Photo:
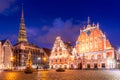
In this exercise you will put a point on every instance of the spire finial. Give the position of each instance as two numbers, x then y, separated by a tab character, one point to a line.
22	11
88	20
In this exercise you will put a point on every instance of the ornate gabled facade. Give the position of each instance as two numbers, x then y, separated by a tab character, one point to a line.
6	53
60	54
93	49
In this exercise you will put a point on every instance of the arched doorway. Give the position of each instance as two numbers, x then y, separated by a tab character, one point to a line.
95	66
79	65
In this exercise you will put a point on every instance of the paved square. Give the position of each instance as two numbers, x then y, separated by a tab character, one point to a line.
68	75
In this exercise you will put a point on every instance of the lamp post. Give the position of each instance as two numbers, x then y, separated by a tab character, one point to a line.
38	59
44	61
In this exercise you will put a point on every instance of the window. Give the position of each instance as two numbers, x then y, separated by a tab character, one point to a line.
60	60
60	50
56	54
65	60
103	65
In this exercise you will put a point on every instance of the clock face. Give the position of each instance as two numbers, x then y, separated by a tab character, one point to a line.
88	32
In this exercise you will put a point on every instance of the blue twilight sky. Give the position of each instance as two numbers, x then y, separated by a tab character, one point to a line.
45	19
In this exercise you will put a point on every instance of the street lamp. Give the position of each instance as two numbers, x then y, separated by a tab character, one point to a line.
38	59
44	61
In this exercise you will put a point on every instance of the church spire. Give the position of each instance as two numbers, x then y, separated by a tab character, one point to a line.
22	31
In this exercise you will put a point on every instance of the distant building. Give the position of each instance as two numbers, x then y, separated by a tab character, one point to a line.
60	54
6	53
93	49
21	49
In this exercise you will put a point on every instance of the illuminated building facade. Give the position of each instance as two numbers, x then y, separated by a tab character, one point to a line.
93	49
21	51
23	47
60	54
6	52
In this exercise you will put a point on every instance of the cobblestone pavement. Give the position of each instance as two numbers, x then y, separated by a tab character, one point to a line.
67	75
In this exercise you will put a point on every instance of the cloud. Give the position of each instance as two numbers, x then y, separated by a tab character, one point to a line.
44	36
66	29
32	31
45	28
6	6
